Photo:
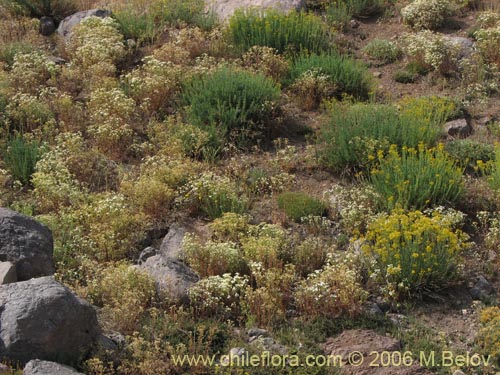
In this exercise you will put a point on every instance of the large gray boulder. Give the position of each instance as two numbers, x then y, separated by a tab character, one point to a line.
171	246
7	273
27	244
37	367
66	26
172	277
42	319
224	9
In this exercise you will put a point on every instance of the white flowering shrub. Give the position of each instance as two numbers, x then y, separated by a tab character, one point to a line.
213	258
355	206
488	19
213	195
266	60
488	43
96	41
27	113
111	113
268	245
333	291
186	45
219	296
311	88
269	301
31	71
153	85
426	14
431	50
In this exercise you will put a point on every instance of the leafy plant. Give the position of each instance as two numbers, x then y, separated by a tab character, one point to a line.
344	74
412	252
293	32
340	12
39	8
470	155
355	134
21	157
417	178
230	105
383	51
298	205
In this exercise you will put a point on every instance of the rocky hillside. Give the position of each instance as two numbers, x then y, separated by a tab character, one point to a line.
257	186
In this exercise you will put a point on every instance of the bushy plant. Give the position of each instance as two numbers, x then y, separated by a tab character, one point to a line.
488	18
39	8
382	50
214	195
213	258
417	178
8	51
96	42
124	305
27	113
21	157
268	245
426	14
333	291
344	74
494	170
32	71
310	255
488	338
298	205
153	85
284	32
311	88
219	296
431	51
269	301
231	105
340	12
355	134
470	155
487	43
230	226
412	252
267	61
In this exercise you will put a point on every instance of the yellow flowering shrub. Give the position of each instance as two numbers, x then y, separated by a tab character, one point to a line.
416	178
413	252
488	338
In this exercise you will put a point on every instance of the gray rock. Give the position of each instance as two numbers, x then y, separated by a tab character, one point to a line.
111	341
377	74
26	243
224	9
148	252
42	319
171	246
482	289
66	26
7	273
37	367
47	26
172	277
373	309
268	344
256	332
458	372
458	128
465	45
354	24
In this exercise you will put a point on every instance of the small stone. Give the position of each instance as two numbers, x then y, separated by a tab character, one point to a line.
7	273
256	332
459	372
458	128
481	289
233	353
47	26
371	308
354	24
377	74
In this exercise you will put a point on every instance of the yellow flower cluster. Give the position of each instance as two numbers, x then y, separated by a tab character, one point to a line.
412	251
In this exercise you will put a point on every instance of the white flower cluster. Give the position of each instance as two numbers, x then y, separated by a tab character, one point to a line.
219	295
426	14
31	71
431	49
96	41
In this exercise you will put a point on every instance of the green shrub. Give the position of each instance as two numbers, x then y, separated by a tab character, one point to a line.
191	12
383	51
468	153
417	178
9	51
141	26
21	157
353	136
340	12
39	8
298	205
494	169
293	32
413	253
411	72
231	105
346	75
